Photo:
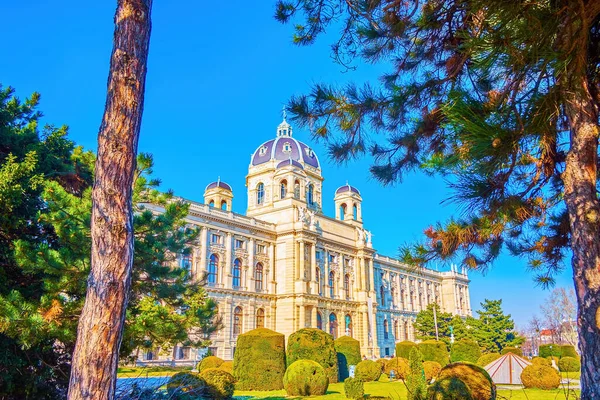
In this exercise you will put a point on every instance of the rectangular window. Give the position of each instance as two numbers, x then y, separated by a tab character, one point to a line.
331	258
239	244
261	248
387	351
215	239
185	261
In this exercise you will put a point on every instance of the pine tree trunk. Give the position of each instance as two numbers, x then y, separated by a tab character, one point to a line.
99	334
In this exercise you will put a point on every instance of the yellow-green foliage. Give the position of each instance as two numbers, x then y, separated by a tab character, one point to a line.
399	365
220	384
568	351
569	364
476	378
348	353
488	358
383	362
552	358
403	348
540	377
209	362
354	388
547	350
227	366
314	344
541	361
513	350
432	370
450	388
465	350
434	350
368	371
259	360
186	383
305	378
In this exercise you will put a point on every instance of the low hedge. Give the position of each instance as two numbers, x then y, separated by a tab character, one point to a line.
220	384
476	378
403	348
434	350
185	383
540	377
465	350
569	364
450	388
354	388
568	351
305	378
488	358
431	369
316	345
513	350
367	371
549	350
400	367
348	353
209	362
541	361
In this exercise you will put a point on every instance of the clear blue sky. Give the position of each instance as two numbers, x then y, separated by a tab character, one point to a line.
218	76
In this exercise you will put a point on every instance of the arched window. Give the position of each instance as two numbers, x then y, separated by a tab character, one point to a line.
283	189
258	277
333	325
260	193
318	279
212	203
260	318
396	336
213	269
385	329
347	286
382	295
310	194
319	321
332	284
348	321
355	212
297	189
342	211
237	273
237	320
224	205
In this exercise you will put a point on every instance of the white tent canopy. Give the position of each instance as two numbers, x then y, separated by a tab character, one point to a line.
507	369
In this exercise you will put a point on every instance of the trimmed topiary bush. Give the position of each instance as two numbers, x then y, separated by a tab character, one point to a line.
476	378
465	350
348	353
314	344
227	366
219	384
513	350
540	377
185	383
541	361
259	360
450	388
209	362
305	378
488	358
368	371
569	364
403	348
354	388
434	350
548	350
432	370
568	351
399	365
415	381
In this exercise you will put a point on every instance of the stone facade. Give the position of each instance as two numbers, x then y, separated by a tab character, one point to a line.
285	265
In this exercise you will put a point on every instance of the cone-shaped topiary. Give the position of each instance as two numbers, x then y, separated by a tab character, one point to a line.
185	383
368	371
476	378
403	348
354	388
540	377
317	345
434	350
513	350
259	360
348	353
305	378
465	350
568	351
209	362
450	388
488	358
569	364
431	369
541	361
220	384
399	365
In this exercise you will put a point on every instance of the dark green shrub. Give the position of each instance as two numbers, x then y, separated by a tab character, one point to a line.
227	366
314	344
368	371
403	348
354	388
541	361
569	364
415	381
549	350
220	384
259	360
450	388
513	350
209	362
186	384
434	350
305	378
465	350
348	353
399	365
568	351
540	377
432	370
488	358
476	378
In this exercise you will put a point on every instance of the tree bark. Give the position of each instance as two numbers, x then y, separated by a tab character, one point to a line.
99	334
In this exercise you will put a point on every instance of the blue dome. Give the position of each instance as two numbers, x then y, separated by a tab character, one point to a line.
347	188
289	162
220	184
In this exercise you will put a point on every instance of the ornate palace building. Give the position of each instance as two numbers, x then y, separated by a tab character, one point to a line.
285	265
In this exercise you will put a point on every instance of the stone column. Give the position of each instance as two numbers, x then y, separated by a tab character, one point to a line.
302	318
301	275
313	317
251	250
203	255
313	269
228	255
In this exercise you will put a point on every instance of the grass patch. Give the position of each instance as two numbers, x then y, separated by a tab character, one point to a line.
138	372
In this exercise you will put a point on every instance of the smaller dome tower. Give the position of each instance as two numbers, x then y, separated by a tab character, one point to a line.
218	194
348	205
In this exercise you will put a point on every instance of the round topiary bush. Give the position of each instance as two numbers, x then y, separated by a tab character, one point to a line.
549	350
450	388
541	361
403	348
185	383
476	378
305	378
220	384
348	353
513	350
383	362
259	360
354	388
209	362
227	366
400	367
569	364
314	344
367	371
434	350
465	350
488	358
540	377
432	370
568	351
